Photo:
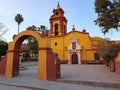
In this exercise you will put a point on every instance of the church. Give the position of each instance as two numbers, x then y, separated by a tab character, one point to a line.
74	47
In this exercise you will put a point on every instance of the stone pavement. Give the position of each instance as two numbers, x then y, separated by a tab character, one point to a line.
92	75
73	77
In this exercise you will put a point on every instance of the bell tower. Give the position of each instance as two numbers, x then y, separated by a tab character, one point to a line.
58	23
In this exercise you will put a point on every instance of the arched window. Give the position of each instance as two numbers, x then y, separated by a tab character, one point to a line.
56	29
96	56
73	45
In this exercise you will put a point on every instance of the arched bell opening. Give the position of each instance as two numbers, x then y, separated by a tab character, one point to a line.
56	29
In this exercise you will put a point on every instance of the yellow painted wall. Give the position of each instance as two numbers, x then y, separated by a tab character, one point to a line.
42	43
42	65
118	57
59	47
90	55
63	42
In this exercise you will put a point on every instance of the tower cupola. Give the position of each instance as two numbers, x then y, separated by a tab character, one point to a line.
58	23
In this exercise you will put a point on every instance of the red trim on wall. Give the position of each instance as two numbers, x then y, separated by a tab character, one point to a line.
51	70
44	48
83	61
13	51
64	61
3	65
53	67
117	63
0	67
90	49
15	71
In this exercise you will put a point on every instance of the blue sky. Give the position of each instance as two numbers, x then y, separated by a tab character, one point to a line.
79	13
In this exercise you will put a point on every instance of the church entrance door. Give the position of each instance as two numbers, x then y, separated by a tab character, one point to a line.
74	58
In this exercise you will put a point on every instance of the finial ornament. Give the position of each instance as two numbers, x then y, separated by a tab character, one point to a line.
73	26
58	4
73	29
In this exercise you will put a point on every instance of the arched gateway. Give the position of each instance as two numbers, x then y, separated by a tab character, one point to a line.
48	69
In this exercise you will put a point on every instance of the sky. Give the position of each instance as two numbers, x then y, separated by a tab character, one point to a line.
80	13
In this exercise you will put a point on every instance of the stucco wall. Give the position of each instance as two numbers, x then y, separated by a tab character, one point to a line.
87	53
117	63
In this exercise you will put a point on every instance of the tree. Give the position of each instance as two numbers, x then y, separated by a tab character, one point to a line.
34	28
3	30
19	19
108	51
32	42
3	47
32	45
113	50
102	49
42	29
108	14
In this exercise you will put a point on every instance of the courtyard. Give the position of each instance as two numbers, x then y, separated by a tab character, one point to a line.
73	77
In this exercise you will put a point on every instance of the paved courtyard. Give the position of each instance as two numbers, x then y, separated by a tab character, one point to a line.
73	77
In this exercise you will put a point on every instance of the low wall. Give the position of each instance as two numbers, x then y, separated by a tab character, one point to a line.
53	66
117	63
86	62
0	67
3	65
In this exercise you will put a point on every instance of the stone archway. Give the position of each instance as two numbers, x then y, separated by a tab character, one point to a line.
47	69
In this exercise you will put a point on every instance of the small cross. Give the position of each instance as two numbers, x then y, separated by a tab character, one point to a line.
73	26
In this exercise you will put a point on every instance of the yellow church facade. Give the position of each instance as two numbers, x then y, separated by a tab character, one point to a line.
74	47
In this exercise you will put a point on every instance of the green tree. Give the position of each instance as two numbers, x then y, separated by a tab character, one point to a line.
108	51
19	19
3	47
42	29
108	14
32	42
102	49
32	45
34	28
113	50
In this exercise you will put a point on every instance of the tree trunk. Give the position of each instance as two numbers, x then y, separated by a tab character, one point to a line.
18	28
107	63
113	69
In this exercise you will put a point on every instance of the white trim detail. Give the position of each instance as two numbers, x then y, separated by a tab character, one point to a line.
76	50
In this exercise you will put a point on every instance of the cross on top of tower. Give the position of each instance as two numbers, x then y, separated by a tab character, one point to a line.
58	6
